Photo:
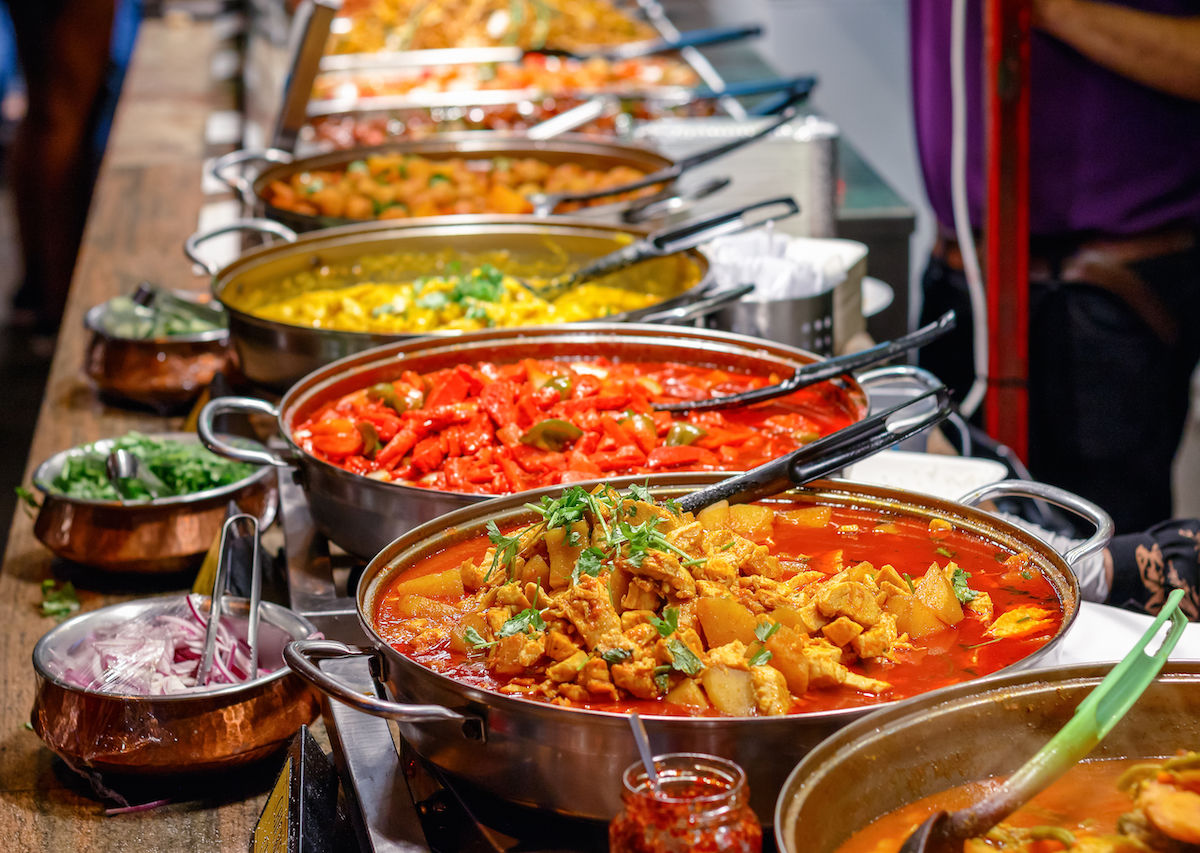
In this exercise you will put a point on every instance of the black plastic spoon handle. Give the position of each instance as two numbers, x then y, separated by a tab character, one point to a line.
820	371
825	455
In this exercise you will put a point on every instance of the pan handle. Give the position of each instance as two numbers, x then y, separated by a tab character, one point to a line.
303	657
263	226
239	183
1060	498
245	405
699	308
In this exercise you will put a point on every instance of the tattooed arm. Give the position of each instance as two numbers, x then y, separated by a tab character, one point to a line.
1145	567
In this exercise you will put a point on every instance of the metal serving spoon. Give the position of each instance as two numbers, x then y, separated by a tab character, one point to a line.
121	465
819	371
945	832
544	204
668	242
828	454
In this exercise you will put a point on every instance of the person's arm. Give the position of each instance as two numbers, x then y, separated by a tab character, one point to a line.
1159	51
1143	568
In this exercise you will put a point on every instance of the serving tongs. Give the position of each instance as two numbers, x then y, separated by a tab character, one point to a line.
828	454
544	204
668	242
1103	708
820	371
788	91
220	581
390	60
121	466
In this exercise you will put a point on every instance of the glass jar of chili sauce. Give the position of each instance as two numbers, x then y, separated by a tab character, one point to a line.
701	804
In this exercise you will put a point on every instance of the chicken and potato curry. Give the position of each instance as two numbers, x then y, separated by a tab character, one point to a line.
618	602
1116	806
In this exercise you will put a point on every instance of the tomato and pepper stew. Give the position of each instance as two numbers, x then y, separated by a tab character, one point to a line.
618	602
503	428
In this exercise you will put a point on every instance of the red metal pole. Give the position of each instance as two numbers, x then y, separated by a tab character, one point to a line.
1006	265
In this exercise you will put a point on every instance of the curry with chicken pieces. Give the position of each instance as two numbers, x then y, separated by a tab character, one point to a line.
618	602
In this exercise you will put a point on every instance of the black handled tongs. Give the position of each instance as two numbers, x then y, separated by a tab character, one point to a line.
819	371
828	454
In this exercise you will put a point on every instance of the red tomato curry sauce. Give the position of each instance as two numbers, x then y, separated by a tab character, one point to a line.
503	428
848	536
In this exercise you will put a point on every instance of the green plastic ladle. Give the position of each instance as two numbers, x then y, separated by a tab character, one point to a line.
945	832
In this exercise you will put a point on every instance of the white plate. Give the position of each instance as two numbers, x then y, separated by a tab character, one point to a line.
948	477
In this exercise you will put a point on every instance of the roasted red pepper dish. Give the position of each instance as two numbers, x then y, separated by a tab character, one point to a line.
616	603
503	428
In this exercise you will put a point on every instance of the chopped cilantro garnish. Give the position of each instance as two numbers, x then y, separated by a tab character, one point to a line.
961	591
1026	574
765	630
434	301
908	580
945	552
667	625
683	658
476	639
563	511
28	501
58	601
662	677
505	551
641	493
618	655
761	657
589	563
525	622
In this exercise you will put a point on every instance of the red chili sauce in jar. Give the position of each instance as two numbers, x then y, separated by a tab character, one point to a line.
502	428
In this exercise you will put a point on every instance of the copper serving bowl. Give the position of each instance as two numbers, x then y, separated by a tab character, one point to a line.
162	373
962	734
162	535
187	732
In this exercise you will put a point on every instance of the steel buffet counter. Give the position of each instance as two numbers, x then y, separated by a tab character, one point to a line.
146	202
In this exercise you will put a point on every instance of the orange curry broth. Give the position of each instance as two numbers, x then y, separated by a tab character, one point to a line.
1059	805
468	433
947	657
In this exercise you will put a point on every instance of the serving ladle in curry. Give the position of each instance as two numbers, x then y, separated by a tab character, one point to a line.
668	242
945	832
819	371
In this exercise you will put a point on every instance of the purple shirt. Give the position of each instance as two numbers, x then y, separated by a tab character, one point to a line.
1107	155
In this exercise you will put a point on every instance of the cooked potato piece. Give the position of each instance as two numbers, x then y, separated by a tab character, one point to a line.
842	630
688	693
424	606
715	517
447	584
791	617
536	570
752	521
731	691
810	516
458	640
787	655
563	555
938	593
724	620
913	616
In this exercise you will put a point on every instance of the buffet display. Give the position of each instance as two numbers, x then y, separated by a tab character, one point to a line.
563	507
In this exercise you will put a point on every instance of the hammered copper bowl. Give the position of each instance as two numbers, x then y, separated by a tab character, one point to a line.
966	733
163	535
179	733
163	374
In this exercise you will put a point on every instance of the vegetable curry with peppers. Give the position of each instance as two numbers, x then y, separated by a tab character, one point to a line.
500	428
618	602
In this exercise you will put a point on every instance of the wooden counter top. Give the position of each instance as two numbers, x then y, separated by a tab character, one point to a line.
146	202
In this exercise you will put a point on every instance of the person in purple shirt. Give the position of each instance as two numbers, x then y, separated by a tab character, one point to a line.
1115	217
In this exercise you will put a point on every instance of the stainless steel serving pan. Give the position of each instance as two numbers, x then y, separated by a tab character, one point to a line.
570	760
966	733
362	515
587	151
275	354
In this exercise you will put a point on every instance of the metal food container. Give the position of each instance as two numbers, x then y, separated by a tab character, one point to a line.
212	729
961	734
161	535
275	355
362	514
569	760
160	373
585	151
